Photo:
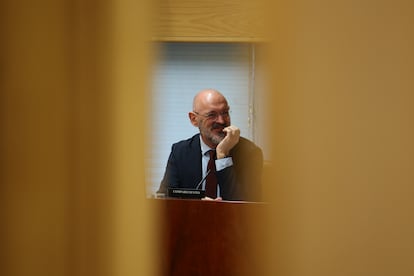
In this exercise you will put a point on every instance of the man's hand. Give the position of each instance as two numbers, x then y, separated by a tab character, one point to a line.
209	198
231	139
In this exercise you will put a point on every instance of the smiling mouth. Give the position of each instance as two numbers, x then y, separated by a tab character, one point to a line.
218	129
219	132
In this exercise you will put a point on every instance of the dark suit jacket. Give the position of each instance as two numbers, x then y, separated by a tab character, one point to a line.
242	181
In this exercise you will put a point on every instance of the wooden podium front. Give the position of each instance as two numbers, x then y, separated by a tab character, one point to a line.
211	237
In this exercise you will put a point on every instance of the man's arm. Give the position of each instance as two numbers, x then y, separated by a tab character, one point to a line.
242	180
171	174
230	140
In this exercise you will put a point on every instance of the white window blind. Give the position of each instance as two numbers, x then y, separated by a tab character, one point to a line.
181	71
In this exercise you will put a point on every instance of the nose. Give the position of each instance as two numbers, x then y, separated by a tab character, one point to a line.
221	118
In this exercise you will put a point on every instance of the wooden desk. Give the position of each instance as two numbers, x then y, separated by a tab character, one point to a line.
211	238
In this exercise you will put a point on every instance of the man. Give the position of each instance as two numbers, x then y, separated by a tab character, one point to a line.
238	161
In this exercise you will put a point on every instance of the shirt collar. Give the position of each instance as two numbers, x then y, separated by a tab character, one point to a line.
204	147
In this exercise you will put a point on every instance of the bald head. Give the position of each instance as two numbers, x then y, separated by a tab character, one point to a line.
207	98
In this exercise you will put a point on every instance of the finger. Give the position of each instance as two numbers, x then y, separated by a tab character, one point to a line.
207	198
228	129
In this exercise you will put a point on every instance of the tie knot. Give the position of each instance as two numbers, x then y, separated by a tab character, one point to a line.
212	154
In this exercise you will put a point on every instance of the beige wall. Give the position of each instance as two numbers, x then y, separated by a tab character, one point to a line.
341	117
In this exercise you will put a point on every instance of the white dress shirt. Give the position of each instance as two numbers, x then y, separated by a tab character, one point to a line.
220	163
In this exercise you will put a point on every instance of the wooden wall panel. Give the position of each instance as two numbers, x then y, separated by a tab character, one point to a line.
212	20
72	114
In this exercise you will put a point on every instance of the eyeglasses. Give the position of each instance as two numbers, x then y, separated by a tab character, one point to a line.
214	115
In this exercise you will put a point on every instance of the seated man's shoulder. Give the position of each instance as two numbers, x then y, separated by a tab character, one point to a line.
247	148
190	142
247	144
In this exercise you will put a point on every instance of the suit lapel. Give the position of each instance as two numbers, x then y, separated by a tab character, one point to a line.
193	161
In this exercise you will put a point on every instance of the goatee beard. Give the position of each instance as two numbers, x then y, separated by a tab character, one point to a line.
216	139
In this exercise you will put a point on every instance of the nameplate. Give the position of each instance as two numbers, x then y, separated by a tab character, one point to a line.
186	193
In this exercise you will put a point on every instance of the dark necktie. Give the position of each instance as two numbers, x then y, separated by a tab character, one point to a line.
211	180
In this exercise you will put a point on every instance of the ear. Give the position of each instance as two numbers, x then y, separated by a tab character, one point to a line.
193	119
